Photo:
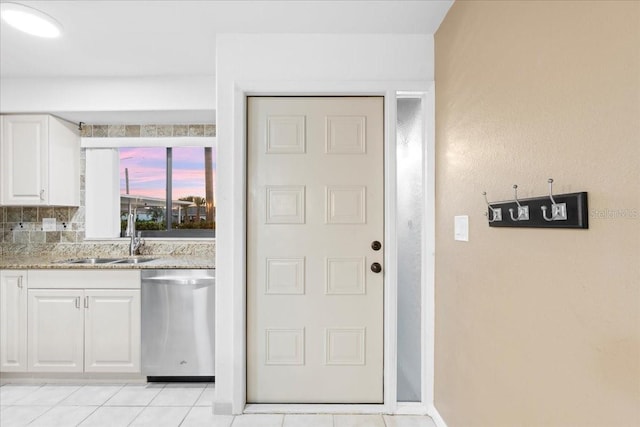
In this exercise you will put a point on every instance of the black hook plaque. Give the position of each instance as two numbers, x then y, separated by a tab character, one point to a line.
576	211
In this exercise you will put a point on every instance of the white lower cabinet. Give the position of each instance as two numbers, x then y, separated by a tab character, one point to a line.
64	323
111	330
96	330
55	331
13	320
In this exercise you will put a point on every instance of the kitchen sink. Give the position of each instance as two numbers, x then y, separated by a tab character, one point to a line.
108	261
133	260
91	261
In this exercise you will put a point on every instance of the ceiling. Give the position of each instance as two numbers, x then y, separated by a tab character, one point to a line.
163	38
170	38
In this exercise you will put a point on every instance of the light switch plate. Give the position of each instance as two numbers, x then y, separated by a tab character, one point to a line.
48	224
461	228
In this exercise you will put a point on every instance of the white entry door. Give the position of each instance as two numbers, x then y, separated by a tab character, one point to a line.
315	228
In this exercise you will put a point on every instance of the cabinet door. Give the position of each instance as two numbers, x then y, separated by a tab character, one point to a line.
112	330
13	321
55	330
25	156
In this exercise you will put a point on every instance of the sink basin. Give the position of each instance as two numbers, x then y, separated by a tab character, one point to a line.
92	261
108	261
133	260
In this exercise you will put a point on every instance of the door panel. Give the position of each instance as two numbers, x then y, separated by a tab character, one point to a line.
13	321
315	204
24	159
112	330
55	330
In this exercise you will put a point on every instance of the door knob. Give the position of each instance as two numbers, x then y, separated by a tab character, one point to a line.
375	245
376	267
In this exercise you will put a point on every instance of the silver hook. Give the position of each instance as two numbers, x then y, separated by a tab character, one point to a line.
496	213
558	210
550	181
484	193
515	194
523	211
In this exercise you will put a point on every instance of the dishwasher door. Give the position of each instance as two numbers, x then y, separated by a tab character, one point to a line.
178	323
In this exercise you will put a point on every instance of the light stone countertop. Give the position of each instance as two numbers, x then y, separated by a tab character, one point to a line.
159	262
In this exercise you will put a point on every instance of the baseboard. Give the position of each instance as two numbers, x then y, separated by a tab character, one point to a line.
312	408
70	377
437	418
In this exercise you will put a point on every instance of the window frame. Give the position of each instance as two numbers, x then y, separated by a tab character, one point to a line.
97	209
170	232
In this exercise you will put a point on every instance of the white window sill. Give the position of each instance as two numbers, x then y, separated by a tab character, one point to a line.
155	239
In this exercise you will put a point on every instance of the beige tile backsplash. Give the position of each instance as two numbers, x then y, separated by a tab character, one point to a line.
147	130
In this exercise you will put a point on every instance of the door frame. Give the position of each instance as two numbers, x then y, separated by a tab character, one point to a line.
235	259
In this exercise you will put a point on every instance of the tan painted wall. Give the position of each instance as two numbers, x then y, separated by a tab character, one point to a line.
538	327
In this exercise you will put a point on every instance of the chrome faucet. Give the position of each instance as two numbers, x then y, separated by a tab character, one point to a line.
136	240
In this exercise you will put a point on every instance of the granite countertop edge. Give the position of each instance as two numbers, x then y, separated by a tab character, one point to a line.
158	262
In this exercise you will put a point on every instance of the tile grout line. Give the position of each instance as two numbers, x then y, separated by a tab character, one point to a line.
103	404
111	397
186	416
45	412
50	407
95	407
200	395
148	404
193	405
156	396
137	415
88	415
164	386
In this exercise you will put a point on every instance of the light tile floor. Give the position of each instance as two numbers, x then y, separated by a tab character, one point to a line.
157	405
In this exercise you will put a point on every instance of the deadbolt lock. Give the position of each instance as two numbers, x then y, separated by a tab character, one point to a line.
375	245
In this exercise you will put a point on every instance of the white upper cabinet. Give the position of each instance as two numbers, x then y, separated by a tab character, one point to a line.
40	159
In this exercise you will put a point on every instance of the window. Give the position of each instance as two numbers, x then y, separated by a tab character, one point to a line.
410	137
169	191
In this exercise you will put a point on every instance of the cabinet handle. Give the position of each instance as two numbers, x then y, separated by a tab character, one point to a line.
20	282
77	302
86	302
41	194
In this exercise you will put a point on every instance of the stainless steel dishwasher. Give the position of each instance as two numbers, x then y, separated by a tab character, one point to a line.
178	324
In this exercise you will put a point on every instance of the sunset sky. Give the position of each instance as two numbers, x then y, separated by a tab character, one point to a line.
147	171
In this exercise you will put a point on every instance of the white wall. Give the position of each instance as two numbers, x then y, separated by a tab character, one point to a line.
102	193
77	94
284	64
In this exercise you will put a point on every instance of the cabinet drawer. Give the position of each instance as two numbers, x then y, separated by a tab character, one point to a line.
84	279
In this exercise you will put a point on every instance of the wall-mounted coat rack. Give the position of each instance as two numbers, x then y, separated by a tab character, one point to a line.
552	211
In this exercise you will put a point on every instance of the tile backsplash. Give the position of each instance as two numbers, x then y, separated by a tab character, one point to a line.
147	131
22	230
22	224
